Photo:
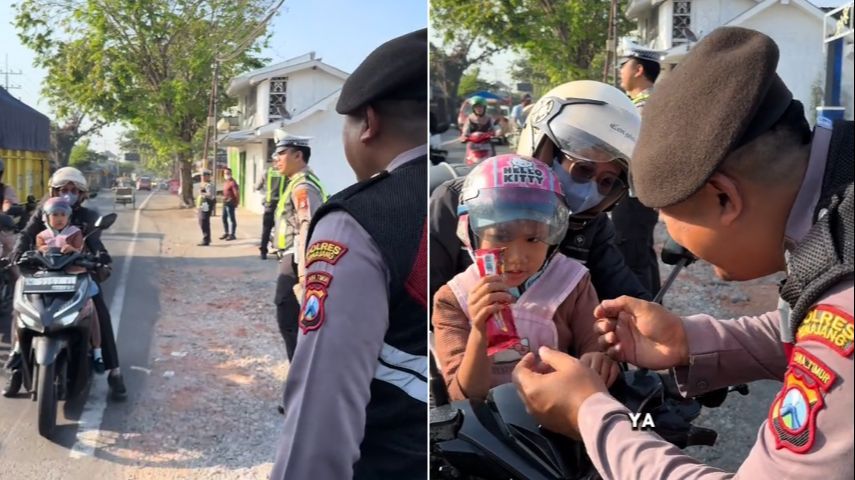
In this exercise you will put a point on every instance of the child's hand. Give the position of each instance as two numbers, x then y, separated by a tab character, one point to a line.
603	365
67	249
489	296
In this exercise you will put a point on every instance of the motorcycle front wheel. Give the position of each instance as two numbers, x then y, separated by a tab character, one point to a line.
46	398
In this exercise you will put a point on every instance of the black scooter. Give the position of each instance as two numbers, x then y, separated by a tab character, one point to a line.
498	439
53	315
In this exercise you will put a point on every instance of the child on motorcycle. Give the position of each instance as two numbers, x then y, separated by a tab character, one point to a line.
69	239
513	206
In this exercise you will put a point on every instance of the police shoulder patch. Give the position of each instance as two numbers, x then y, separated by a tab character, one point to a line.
792	417
831	327
314	296
325	251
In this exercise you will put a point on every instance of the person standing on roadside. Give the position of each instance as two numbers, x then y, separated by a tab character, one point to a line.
205	207
634	223
272	183
301	198
231	200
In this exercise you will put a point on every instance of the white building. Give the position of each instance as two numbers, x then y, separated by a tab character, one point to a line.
298	96
796	26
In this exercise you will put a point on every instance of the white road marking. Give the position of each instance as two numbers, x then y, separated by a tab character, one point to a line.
93	412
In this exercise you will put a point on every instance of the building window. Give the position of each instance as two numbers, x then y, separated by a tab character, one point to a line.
278	94
681	22
249	101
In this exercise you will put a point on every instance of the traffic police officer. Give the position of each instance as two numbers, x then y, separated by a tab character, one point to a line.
634	223
742	182
358	377
272	183
298	203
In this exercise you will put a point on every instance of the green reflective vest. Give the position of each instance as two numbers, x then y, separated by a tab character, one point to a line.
273	174
283	211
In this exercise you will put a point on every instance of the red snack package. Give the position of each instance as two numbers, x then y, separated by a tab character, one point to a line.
501	331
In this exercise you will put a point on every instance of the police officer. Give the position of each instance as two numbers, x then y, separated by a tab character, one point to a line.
742	182
301	198
205	207
556	132
634	223
358	377
272	183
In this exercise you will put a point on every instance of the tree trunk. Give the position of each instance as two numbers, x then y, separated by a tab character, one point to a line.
185	194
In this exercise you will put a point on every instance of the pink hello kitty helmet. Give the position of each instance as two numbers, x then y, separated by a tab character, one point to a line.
509	188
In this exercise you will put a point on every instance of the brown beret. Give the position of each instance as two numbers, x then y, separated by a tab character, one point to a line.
724	94
396	70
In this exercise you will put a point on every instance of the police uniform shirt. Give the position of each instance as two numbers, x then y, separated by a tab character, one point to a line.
327	389
811	440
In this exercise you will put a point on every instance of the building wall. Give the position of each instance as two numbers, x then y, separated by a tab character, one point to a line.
307	87
802	62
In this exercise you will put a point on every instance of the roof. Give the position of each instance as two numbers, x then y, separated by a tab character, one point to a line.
296	64
21	126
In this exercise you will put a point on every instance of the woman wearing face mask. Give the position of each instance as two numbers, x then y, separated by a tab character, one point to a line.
70	184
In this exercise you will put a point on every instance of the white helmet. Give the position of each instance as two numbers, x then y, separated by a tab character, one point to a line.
602	117
66	175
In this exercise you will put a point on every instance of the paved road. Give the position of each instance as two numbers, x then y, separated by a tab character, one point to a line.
133	299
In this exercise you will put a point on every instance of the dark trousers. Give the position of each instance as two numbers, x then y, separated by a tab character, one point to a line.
267	223
205	225
108	340
634	225
287	305
229	223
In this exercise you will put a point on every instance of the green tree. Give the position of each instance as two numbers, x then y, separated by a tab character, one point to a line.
144	63
449	61
471	82
82	157
559	39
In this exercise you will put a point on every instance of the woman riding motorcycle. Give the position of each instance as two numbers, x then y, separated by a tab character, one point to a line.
478	120
69	183
585	131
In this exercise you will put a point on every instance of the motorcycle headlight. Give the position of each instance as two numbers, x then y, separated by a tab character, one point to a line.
67	320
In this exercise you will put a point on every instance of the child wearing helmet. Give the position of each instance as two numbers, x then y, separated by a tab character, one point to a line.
478	120
69	239
513	204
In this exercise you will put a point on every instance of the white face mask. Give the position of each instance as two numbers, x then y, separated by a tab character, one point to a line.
227	177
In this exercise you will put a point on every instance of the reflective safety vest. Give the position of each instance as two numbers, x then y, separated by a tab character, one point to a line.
286	212
279	186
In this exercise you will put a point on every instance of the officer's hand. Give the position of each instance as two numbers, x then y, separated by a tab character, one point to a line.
298	292
601	363
489	296
642	333
554	398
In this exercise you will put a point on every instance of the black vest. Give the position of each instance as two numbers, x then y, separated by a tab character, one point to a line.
825	257
392	208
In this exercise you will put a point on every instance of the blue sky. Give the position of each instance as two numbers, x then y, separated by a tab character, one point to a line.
341	32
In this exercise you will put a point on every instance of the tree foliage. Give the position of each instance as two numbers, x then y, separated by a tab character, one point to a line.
144	63
72	127
559	39
448	62
82	157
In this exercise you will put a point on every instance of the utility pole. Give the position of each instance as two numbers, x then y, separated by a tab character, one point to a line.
8	72
213	120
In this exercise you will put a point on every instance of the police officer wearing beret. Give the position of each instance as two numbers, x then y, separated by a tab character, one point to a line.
742	182
356	394
634	223
298	203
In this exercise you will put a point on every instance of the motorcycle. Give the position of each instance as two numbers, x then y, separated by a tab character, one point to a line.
479	147
498	439
53	314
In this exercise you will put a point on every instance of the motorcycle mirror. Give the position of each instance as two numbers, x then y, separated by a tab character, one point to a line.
92	194
106	221
673	252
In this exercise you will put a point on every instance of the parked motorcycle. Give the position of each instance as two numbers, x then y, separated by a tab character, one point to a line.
53	314
479	147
